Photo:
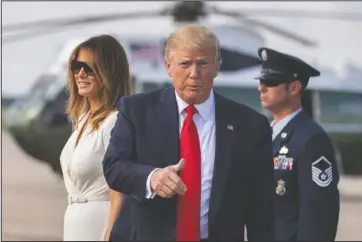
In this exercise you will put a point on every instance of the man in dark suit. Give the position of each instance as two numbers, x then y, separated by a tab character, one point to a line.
306	177
191	164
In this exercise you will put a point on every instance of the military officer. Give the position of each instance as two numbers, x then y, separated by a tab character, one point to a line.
305	170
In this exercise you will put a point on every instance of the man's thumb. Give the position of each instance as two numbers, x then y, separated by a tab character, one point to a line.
180	165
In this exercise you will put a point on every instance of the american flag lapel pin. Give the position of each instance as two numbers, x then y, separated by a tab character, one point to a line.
230	127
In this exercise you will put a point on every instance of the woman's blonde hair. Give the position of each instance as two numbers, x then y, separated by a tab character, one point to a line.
111	68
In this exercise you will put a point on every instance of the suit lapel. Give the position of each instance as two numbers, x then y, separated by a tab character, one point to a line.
166	120
224	131
286	133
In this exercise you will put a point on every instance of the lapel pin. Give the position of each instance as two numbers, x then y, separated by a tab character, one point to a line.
283	135
284	150
230	127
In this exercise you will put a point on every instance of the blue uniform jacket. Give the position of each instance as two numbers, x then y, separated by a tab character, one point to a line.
306	196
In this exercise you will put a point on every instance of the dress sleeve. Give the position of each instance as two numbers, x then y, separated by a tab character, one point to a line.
107	129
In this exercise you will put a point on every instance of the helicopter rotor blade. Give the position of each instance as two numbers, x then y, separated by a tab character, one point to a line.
288	34
292	13
40	28
64	22
269	27
25	35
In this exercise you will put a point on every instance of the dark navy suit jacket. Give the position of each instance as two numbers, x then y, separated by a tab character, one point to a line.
146	136
309	207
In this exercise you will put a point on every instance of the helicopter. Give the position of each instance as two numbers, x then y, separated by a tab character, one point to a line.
40	126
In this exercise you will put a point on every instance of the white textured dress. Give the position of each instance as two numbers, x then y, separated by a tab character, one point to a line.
87	214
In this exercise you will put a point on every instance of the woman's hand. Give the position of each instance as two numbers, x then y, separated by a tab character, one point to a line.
115	207
106	236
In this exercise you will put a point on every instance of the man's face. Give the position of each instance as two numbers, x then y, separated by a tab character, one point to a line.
192	72
274	97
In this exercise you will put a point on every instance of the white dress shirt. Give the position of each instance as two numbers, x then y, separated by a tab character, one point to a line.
205	123
278	127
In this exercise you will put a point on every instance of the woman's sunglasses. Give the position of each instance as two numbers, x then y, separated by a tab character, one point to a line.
78	65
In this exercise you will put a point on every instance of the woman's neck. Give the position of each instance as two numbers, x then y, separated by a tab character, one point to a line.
94	105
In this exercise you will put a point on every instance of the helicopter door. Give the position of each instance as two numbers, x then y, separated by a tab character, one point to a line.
307	103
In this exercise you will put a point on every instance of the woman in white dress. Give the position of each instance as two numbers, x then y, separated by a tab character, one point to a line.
98	77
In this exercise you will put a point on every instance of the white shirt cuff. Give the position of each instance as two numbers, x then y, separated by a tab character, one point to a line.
149	194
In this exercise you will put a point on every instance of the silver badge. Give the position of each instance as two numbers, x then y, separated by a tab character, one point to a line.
283	135
280	190
264	55
284	150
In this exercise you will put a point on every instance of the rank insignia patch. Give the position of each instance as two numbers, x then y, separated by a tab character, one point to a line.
322	172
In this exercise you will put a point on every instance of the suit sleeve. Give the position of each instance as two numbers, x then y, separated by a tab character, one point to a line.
120	167
260	224
318	192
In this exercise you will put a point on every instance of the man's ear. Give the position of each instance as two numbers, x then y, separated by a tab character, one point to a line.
296	87
167	64
218	65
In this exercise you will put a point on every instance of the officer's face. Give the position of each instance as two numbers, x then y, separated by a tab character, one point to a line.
274	97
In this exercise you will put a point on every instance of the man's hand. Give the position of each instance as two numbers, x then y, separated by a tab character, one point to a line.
166	183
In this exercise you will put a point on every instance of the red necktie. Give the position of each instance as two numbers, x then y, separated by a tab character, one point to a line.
188	213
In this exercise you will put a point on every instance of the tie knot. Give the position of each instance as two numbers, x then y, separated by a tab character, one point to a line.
191	110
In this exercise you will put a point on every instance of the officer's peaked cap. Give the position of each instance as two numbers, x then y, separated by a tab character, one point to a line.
277	65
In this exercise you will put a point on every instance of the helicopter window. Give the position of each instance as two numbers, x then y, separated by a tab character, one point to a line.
234	60
62	95
341	107
57	84
56	105
41	87
145	52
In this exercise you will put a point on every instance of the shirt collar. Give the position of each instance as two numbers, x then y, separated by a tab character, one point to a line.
286	119
204	109
278	127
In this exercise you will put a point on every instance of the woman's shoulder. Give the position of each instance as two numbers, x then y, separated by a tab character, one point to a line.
112	115
111	119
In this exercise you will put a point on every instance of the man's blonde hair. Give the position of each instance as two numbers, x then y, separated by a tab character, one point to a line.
194	37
